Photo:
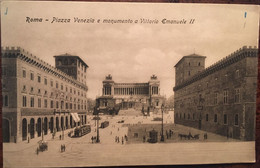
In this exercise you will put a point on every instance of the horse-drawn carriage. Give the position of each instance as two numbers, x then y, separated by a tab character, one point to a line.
189	136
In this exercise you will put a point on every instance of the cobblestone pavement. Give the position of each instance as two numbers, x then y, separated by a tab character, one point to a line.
82	152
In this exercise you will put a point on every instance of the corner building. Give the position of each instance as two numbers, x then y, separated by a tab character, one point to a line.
131	95
221	98
39	99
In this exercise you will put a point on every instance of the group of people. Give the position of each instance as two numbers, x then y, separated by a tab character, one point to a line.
123	139
169	133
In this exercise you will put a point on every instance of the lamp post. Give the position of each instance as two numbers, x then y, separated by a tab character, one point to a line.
97	118
162	136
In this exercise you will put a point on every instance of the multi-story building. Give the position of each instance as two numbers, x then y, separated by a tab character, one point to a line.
131	95
38	98
221	98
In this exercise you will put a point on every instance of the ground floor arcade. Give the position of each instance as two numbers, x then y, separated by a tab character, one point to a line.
30	127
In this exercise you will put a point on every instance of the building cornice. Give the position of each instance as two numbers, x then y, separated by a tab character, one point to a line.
20	53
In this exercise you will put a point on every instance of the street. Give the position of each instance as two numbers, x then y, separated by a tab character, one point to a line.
82	152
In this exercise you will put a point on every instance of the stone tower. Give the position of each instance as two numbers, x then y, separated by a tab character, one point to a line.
73	66
188	66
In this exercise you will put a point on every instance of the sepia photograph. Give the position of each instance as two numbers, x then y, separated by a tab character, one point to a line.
128	84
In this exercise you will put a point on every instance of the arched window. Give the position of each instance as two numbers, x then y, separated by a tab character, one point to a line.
6	101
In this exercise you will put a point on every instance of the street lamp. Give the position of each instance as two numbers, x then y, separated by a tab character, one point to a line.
162	136
97	118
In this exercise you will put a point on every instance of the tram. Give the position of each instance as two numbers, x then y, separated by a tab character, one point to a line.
81	131
104	124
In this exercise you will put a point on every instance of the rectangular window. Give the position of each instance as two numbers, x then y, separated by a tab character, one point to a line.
6	100
24	101
207	117
57	85
57	104
237	73
215	118
45	81
52	104
225	119
215	98
225	97
39	102
24	73
236	119
61	86
237	95
32	102
45	103
32	76
39	79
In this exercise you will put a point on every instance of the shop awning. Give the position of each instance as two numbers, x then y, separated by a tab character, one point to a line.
75	117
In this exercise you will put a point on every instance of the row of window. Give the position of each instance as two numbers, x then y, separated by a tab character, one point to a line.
39	79
189	90
215	119
58	104
200	100
32	91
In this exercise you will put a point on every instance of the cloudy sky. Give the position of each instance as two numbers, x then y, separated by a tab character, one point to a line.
130	52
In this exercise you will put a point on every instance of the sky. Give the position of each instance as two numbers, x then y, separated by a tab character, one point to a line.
130	52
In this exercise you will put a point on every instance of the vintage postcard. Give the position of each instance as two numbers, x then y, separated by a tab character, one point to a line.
116	84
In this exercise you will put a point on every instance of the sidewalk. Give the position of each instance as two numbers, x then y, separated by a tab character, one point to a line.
23	145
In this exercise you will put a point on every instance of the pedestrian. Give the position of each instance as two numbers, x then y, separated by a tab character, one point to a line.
144	139
37	151
122	140
115	138
205	136
92	139
60	137
28	140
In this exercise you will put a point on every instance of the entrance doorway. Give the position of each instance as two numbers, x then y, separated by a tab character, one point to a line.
39	127
32	128
45	126
51	125
24	129
6	130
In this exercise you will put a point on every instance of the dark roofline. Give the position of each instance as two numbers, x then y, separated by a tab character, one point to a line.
189	56
75	56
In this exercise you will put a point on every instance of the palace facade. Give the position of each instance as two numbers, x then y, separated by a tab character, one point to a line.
139	96
39	99
221	98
